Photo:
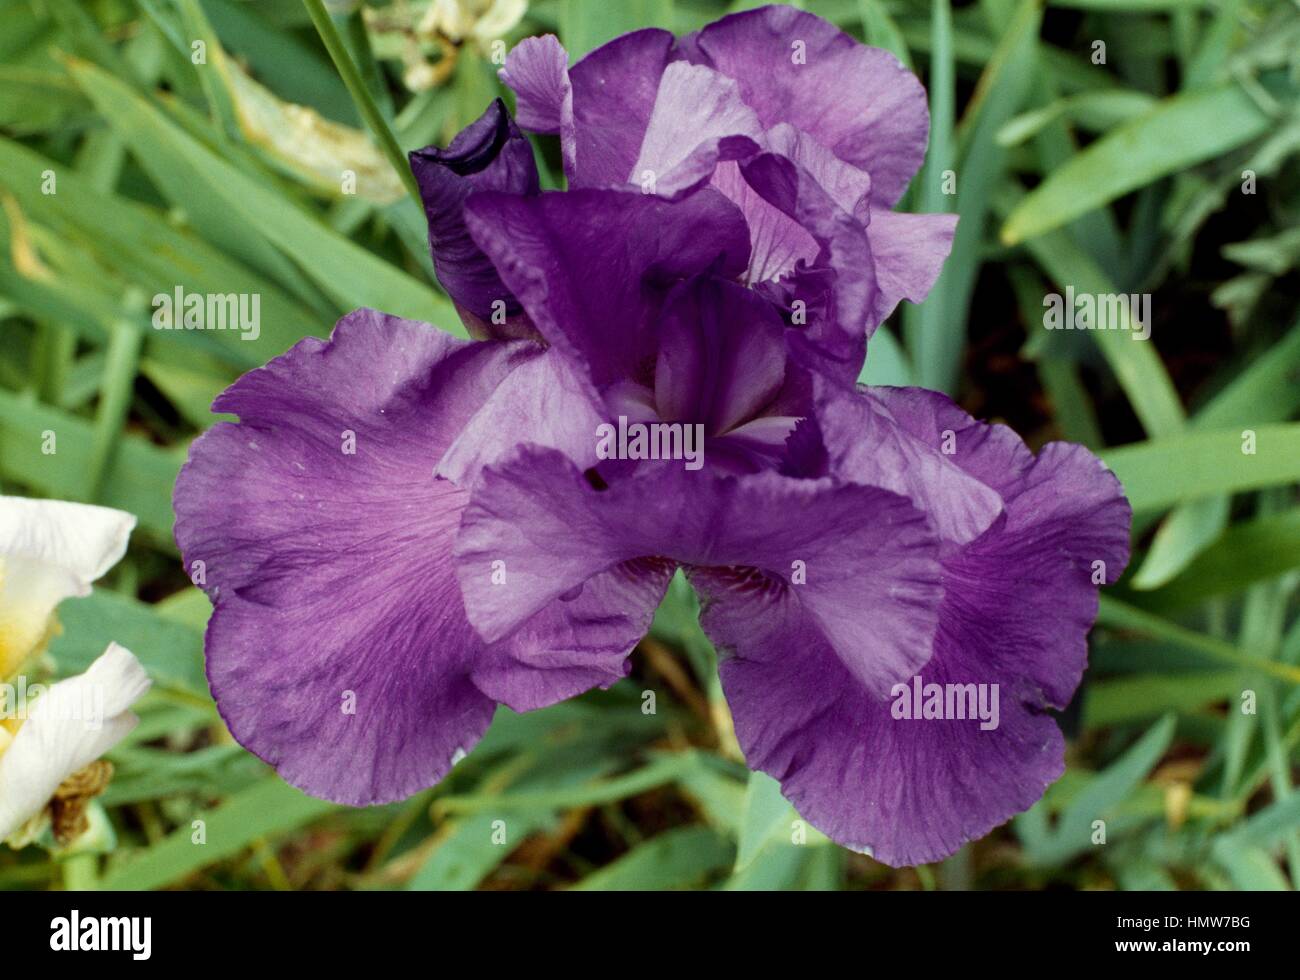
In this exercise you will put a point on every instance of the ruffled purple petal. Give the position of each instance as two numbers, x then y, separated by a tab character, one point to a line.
591	267
854	569
909	252
857	101
905	791
1064	531
1018	602
867	445
614	91
488	155
698	120
834	297
338	648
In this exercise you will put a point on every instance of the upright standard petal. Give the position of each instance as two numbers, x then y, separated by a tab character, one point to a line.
833	297
537	69
489	155
50	550
699	119
592	267
857	101
614	90
909	252
68	727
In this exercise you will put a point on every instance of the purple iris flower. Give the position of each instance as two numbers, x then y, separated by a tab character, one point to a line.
405	530
811	134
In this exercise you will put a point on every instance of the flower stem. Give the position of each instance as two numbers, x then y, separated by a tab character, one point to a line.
365	103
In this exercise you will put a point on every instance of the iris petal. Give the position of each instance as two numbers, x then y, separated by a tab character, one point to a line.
857	101
854	569
592	267
1018	601
489	155
338	648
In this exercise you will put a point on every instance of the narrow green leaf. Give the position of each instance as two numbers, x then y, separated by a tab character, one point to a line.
937	329
350	273
141	246
665	769
679	858
880	30
1111	612
133	478
1127	699
466	852
361	94
1182	132
1099	798
1163	472
768	816
172	654
1187	531
1095	111
270	807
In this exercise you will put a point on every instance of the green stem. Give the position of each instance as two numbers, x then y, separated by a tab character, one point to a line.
365	103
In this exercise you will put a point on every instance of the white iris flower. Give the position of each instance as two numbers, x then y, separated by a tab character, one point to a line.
51	550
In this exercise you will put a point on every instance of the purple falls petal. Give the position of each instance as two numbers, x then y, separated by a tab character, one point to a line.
865	444
326	567
1018	602
853	570
338	648
1065	530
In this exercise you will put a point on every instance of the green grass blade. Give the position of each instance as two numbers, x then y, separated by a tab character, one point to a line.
1180	133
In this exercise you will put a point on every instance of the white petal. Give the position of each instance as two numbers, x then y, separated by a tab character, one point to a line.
70	726
82	539
50	550
498	19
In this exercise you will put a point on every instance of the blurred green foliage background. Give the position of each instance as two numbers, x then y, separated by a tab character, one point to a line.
1166	166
